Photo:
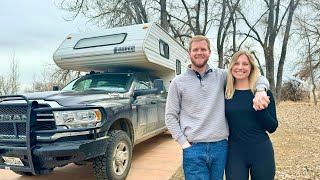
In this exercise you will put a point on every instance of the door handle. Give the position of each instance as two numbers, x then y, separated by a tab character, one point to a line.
153	102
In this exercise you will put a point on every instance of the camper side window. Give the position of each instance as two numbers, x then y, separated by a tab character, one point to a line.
100	41
178	67
164	49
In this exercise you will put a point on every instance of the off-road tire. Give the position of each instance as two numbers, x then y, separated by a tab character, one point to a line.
118	154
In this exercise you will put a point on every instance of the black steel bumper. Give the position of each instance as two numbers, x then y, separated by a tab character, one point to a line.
18	139
46	156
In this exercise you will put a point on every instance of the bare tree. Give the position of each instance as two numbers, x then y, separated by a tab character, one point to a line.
3	89
51	76
179	17
107	13
9	84
227	17
14	74
309	33
273	22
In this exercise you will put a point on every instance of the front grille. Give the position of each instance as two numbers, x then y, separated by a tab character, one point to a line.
7	112
13	118
45	121
7	131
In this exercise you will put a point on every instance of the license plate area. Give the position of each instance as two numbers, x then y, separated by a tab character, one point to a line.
12	161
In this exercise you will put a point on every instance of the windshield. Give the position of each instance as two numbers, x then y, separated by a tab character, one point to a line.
115	82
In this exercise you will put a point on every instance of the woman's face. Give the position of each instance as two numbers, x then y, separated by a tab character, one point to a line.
242	68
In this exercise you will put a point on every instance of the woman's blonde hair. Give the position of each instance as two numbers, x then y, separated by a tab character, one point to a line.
253	76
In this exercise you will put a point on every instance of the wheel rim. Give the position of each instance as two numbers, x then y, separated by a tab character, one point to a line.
120	158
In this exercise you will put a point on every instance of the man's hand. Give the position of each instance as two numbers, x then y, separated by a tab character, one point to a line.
186	145
261	100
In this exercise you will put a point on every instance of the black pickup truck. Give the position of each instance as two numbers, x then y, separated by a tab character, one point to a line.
98	117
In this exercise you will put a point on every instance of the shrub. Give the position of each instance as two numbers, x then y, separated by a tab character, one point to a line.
292	90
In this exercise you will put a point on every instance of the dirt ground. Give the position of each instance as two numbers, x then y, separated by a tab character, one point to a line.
296	142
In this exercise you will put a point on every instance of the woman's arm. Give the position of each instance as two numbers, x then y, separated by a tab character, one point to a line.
268	116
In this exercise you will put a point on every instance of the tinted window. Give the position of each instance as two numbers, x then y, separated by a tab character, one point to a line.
143	82
115	82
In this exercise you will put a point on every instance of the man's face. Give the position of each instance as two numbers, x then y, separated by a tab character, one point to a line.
199	53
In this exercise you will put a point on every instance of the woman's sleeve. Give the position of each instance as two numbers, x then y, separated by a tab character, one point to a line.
268	116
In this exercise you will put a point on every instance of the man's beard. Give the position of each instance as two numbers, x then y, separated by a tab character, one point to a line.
199	64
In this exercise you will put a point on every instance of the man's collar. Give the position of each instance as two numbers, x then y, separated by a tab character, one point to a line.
208	69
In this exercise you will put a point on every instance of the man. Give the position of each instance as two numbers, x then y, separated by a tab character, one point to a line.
195	113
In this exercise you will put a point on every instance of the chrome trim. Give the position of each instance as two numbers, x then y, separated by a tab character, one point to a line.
45	115
44	120
60	135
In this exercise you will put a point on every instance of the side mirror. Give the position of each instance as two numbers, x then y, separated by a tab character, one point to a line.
137	93
55	88
158	84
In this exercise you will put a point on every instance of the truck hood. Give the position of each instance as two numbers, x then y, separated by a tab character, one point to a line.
72	98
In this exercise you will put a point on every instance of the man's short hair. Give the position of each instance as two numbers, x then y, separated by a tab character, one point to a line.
199	38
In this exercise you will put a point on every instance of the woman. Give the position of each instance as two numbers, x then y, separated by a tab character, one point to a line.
250	149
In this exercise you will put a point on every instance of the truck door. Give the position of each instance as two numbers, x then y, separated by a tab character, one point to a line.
146	106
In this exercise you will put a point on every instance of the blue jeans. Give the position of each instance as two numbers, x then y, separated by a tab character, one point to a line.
205	161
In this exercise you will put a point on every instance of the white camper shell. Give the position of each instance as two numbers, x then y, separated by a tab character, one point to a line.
143	46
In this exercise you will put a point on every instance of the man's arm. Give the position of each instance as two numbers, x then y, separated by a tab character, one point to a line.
261	100
172	114
262	84
224	73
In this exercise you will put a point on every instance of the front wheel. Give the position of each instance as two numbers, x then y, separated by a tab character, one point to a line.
116	162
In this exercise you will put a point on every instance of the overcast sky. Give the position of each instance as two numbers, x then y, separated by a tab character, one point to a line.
32	30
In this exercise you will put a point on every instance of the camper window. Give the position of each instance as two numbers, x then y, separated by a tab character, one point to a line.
100	41
164	49
178	67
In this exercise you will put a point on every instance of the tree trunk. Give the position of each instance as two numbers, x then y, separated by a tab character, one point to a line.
315	100
164	15
234	44
219	38
292	7
268	54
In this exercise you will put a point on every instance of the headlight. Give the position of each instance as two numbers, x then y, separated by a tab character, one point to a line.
78	118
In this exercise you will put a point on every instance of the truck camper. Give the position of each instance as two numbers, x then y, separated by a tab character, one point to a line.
138	47
99	117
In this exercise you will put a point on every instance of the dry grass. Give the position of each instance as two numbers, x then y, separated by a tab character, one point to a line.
296	142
